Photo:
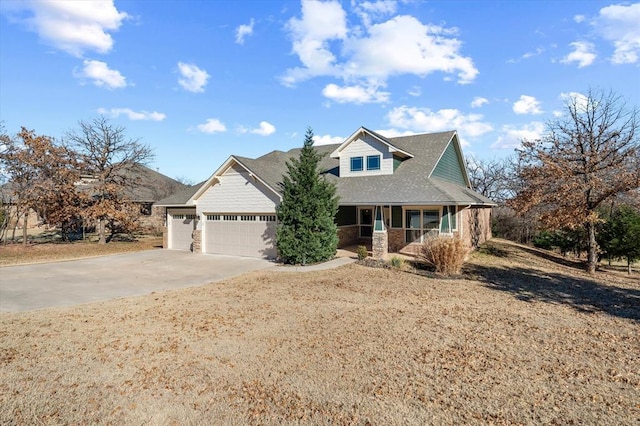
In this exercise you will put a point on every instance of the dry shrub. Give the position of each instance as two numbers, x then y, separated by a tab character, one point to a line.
447	254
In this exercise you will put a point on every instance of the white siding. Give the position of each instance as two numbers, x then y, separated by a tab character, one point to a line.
237	193
363	147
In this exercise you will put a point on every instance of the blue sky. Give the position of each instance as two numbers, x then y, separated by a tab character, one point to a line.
201	80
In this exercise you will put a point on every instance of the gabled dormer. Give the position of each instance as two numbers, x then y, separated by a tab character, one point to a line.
366	153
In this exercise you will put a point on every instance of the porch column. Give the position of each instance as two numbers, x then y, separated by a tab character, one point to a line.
380	239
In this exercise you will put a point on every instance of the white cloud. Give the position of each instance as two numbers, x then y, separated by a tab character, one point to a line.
355	94
133	115
321	22
513	136
619	24
212	125
479	101
101	75
265	129
376	10
579	19
574	98
527	105
419	120
71	26
193	78
408	47
327	140
415	91
583	54
327	46
243	31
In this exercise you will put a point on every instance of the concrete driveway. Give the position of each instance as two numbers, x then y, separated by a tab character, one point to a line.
46	285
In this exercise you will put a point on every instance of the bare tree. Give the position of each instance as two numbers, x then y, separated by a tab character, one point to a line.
587	157
106	156
493	178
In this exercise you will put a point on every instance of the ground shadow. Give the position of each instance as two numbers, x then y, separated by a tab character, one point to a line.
582	294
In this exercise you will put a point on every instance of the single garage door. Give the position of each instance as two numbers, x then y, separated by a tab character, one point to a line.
182	226
251	235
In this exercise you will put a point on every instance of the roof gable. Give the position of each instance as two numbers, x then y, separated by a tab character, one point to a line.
232	163
450	166
362	130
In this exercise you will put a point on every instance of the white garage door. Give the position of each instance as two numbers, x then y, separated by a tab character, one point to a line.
182	226
251	235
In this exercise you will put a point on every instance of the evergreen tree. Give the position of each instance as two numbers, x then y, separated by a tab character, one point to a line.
620	236
306	231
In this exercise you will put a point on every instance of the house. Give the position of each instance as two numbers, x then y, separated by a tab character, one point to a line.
147	186
393	193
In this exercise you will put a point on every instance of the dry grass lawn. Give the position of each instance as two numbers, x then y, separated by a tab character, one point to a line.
519	339
17	254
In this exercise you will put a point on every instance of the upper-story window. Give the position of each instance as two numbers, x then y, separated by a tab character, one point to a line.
373	162
356	164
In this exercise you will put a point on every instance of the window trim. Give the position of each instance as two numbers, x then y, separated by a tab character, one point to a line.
374	157
361	159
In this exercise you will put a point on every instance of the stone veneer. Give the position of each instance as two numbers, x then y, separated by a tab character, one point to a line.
196	236
165	237
379	245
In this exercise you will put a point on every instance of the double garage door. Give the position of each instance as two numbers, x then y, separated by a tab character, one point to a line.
251	235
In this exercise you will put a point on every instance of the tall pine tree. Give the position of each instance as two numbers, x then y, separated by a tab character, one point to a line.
306	231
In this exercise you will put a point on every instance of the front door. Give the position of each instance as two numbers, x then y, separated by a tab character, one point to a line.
366	222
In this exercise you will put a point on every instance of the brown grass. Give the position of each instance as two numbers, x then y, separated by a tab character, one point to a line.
521	340
17	254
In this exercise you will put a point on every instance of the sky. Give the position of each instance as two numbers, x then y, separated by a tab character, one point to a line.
199	81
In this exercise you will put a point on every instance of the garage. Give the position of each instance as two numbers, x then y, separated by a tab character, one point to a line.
181	224
251	235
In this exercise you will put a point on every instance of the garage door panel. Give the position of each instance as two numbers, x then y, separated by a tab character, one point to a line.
181	229
241	238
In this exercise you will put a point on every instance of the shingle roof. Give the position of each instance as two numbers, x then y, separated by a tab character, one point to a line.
180	197
409	184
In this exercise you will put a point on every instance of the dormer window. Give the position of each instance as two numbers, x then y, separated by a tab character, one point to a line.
356	164
373	162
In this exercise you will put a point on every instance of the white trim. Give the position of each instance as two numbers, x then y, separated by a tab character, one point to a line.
220	171
336	153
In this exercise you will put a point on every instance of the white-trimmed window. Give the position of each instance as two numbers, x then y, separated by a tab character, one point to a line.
248	218
214	217
357	164
230	217
373	162
268	218
419	222
449	222
178	216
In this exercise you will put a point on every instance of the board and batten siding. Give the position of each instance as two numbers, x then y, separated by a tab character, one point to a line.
237	193
449	168
362	147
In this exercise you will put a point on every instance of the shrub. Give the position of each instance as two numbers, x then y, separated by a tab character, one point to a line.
445	253
396	262
362	252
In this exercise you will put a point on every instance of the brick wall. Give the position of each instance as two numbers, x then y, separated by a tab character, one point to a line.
348	236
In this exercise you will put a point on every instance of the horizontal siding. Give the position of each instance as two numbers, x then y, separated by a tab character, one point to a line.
449	168
237	193
361	148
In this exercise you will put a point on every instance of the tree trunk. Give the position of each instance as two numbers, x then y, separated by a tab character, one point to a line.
628	265
592	250
101	232
25	233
